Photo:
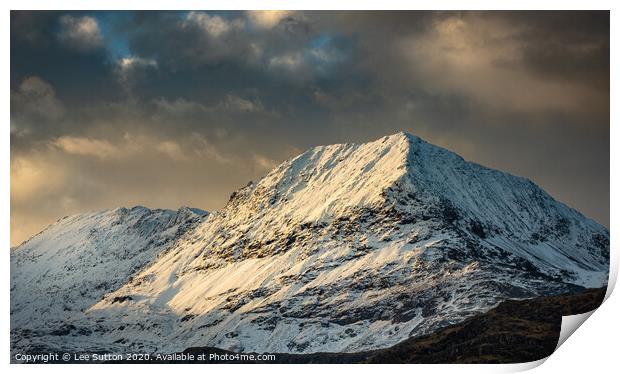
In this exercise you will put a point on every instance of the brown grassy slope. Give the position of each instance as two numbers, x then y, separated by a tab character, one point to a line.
514	331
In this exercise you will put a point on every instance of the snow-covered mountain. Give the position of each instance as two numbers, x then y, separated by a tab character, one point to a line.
343	248
62	271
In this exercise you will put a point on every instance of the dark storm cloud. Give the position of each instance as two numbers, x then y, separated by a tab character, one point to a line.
572	46
199	40
180	108
80	72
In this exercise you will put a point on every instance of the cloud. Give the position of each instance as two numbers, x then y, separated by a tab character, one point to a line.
238	104
81	146
172	150
201	39
483	58
131	69
86	173
230	93
230	103
36	97
325	56
213	26
133	62
267	18
80	33
178	107
292	61
128	146
36	182
263	163
205	148
143	145
34	176
33	104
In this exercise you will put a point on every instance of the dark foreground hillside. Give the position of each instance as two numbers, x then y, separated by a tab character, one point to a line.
514	331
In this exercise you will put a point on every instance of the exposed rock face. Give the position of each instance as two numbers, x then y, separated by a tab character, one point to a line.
348	248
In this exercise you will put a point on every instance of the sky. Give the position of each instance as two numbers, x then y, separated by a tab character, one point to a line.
181	108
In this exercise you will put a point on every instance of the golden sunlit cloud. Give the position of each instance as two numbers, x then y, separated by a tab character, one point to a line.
267	18
481	57
35	176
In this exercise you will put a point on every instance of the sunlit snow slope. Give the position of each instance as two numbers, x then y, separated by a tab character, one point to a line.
346	248
69	266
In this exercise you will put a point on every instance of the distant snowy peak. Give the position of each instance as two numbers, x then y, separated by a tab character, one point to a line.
76	260
73	229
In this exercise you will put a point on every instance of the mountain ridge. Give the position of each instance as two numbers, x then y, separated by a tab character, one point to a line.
350	247
76	260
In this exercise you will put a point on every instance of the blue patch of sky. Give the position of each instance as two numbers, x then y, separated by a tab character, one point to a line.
115	42
325	52
320	41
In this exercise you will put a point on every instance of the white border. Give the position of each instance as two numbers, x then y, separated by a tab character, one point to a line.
312	5
594	348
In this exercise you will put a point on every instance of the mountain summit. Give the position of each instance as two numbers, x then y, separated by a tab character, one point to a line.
343	248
